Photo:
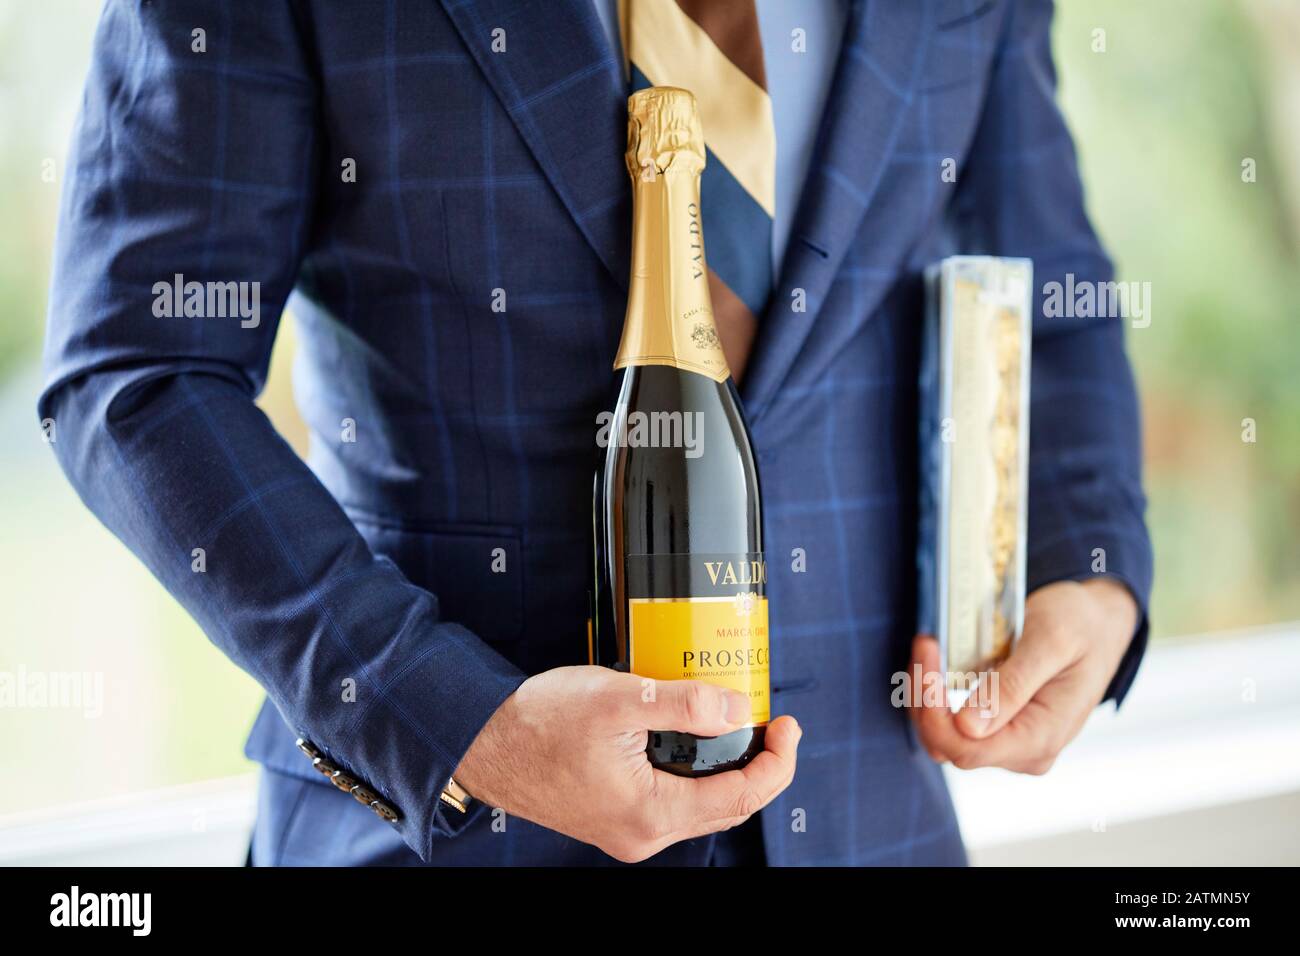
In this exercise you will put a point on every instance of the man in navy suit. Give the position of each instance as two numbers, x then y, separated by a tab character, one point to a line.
441	187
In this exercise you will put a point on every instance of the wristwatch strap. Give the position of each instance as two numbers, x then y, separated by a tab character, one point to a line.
454	795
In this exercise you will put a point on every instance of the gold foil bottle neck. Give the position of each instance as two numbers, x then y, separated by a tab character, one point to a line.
669	311
663	132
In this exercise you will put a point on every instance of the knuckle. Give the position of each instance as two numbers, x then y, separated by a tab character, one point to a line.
1067	637
1065	630
1040	766
695	702
1045	746
965	761
605	700
1011	688
604	711
587	679
627	851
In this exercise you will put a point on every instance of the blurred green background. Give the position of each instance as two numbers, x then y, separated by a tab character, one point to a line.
1184	92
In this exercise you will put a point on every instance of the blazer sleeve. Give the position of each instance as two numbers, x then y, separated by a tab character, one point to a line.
201	164
1020	195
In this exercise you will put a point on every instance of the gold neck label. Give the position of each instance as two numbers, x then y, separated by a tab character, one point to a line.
669	310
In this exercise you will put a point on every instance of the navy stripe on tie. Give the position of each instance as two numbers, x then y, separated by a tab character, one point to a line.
737	235
737	230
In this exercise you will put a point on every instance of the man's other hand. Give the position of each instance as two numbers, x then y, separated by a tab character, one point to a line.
1074	638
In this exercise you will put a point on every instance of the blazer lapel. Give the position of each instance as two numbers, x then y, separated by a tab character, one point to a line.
875	80
562	86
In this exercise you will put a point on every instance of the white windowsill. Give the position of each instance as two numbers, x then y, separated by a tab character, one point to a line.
1187	740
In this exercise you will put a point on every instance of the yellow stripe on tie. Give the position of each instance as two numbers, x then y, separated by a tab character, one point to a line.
671	50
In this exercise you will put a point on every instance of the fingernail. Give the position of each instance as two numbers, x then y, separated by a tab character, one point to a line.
735	708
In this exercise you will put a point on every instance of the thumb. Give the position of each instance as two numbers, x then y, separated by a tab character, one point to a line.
1010	687
692	707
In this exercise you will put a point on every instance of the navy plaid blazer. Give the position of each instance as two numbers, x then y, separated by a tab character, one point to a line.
447	434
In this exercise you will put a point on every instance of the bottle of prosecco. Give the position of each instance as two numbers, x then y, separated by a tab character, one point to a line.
680	589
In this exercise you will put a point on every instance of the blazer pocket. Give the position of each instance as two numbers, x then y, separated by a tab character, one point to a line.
475	571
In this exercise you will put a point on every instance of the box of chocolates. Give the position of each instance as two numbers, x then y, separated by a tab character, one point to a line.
974	461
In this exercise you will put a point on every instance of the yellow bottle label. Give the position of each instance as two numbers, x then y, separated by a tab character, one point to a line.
718	640
669	310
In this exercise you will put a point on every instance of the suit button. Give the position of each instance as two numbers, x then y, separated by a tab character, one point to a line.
343	781
364	795
323	766
384	811
307	747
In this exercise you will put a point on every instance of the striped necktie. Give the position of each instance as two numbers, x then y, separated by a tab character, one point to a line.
713	49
